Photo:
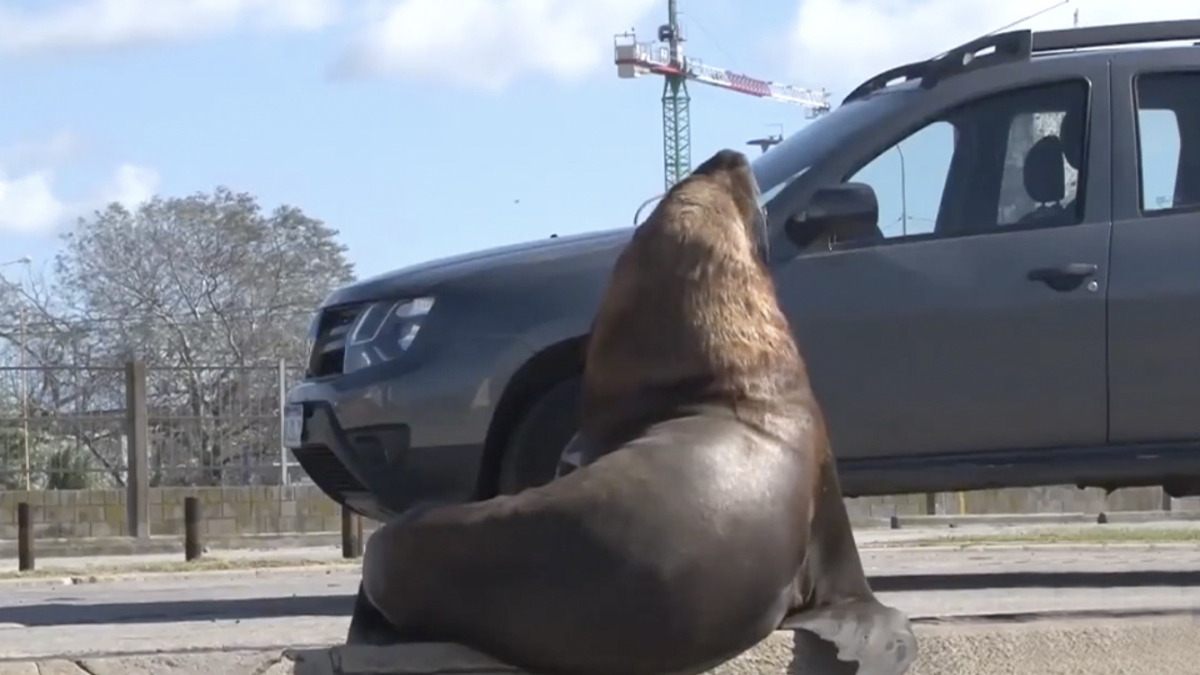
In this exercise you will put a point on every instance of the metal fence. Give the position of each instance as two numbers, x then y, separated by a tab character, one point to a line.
66	427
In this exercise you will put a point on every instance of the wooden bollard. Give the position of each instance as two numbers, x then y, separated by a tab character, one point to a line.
192	549
352	539
24	538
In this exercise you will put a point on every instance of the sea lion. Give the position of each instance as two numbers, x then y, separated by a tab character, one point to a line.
708	513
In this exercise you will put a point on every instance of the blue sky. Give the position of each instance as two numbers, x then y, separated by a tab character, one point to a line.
418	128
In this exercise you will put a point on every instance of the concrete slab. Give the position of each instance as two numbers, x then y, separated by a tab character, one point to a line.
1146	646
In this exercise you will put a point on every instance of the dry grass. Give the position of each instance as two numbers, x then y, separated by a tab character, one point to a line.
1098	534
173	567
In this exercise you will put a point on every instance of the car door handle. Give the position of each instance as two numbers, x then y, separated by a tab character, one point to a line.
1063	277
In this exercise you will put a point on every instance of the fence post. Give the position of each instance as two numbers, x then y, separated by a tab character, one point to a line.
24	538
352	535
192	549
137	441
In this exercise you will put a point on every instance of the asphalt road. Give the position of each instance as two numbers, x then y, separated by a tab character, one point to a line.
275	609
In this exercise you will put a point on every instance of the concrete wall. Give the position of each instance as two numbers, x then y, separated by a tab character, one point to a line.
225	511
1055	499
300	509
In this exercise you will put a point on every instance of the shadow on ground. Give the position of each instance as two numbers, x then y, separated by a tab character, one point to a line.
81	613
64	613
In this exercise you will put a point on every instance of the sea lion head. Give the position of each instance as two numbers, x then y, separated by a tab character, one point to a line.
690	311
731	170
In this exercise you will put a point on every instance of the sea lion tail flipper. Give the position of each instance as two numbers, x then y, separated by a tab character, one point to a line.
876	637
368	626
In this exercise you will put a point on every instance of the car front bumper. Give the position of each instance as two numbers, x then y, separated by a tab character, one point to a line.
382	442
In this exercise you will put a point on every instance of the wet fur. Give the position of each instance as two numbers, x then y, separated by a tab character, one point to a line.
709	512
690	314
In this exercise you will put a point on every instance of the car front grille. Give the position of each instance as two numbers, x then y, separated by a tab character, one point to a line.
329	344
324	468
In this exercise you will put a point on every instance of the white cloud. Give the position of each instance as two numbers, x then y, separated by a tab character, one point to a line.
59	148
130	185
82	25
839	43
29	201
488	44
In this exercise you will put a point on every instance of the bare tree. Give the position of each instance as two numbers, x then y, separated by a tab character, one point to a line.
210	292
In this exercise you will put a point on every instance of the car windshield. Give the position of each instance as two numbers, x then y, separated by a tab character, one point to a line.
789	160
784	163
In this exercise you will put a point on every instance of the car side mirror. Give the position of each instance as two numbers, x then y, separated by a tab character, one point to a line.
843	212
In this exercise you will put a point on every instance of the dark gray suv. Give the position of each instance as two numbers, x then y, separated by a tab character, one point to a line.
991	260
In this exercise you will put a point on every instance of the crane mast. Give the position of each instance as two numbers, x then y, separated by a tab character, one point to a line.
665	57
676	104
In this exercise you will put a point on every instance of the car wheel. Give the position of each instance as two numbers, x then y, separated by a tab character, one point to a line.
535	446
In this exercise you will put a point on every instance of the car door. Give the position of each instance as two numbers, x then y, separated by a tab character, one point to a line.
1154	312
977	321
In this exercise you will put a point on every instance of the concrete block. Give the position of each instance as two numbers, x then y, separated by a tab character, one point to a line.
114	514
1144	646
221	526
229	663
59	667
310	524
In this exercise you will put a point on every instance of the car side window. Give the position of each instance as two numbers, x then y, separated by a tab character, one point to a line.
1169	169
908	179
1007	160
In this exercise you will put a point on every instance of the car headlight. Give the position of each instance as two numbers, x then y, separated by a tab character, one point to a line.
383	332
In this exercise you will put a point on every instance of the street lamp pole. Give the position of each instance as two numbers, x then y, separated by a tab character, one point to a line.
24	405
24	387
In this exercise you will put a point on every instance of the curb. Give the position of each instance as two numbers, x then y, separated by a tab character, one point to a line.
121	546
965	520
74	578
70	577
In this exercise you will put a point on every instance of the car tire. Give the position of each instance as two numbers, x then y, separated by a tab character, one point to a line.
532	454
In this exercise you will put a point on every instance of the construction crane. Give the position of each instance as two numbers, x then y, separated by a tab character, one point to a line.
665	57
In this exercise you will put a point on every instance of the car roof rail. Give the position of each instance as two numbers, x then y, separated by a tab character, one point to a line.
997	48
1113	35
1022	44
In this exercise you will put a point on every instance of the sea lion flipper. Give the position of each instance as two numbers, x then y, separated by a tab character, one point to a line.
876	637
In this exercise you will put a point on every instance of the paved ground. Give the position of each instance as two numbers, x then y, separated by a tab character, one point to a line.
267	611
273	609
